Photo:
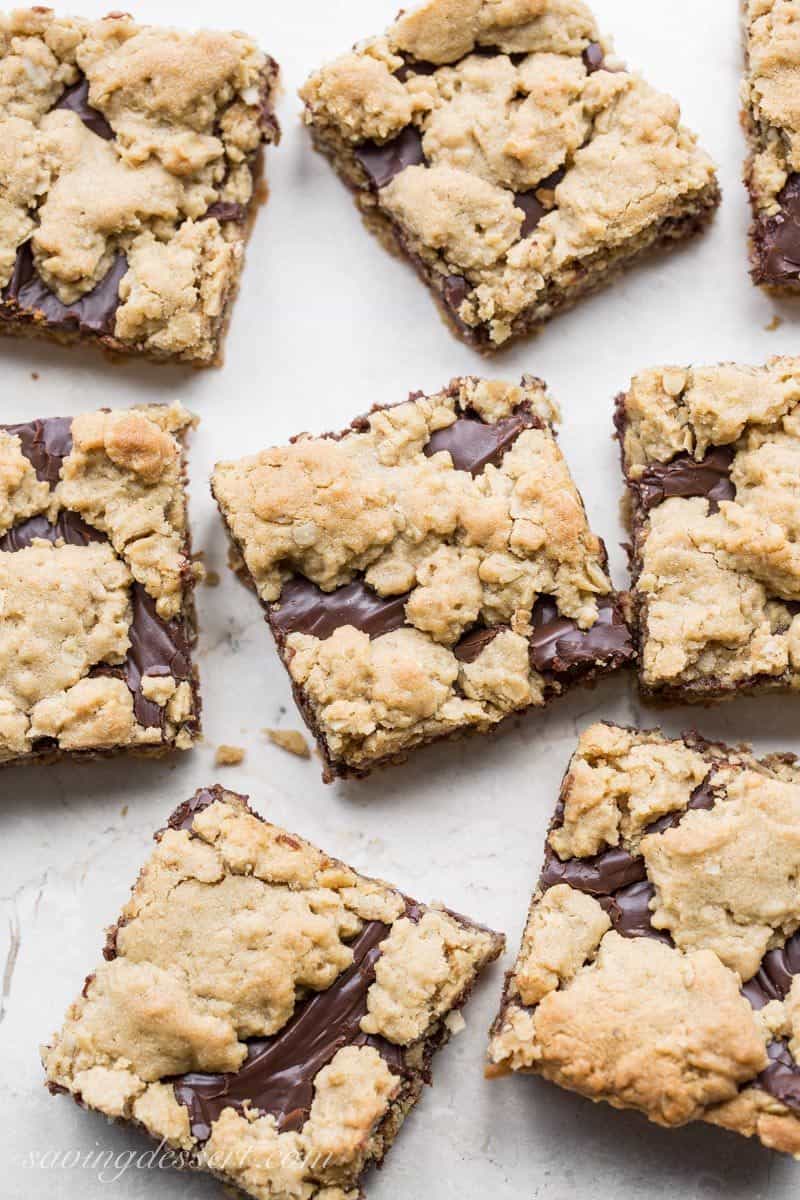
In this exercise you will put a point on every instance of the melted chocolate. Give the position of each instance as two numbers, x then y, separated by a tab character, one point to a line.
76	99
413	66
45	444
382	162
593	57
92	313
184	814
773	979
776	240
558	645
157	647
475	642
601	875
227	210
473	444
278	1075
305	608
68	527
629	912
455	290
533	209
703	797
685	476
781	1078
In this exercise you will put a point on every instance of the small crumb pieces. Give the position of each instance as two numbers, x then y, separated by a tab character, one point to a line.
291	740
123	812
774	324
228	756
212	579
34	374
455	1022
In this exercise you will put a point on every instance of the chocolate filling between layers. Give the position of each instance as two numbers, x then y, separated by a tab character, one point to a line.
557	646
617	878
278	1075
618	881
686	476
158	647
776	240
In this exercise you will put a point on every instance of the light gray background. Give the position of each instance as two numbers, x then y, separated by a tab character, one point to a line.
326	325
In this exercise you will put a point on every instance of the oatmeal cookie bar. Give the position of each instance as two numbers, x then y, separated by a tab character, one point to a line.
508	154
127	162
96	584
711	456
657	969
266	1011
428	571
772	123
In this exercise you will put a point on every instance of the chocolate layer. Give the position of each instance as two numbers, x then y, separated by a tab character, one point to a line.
593	57
383	160
559	646
76	99
227	210
773	980
158	647
629	911
781	1078
533	209
45	444
776	240
601	875
184	814
473	444
685	476
26	295
278	1074
703	797
475	642
305	608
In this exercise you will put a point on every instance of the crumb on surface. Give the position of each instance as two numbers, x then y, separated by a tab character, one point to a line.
212	579
291	740
774	324
229	756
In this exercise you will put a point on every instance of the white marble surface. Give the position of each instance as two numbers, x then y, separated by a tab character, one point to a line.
326	325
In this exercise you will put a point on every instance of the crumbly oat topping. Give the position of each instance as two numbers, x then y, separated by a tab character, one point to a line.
769	97
466	548
174	120
231	925
509	101
67	610
652	1014
717	582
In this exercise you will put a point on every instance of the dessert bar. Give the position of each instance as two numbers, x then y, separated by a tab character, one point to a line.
267	1012
96	584
426	572
509	155
658	970
772	124
127	163
711	457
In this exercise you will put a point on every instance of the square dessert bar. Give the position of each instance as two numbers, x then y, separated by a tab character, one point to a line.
96	583
127	163
509	155
266	1011
711	456
771	120
660	966
426	572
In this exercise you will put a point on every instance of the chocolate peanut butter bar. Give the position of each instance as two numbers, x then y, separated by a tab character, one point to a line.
660	966
772	123
711	456
96	583
509	154
426	572
265	1010
127	161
